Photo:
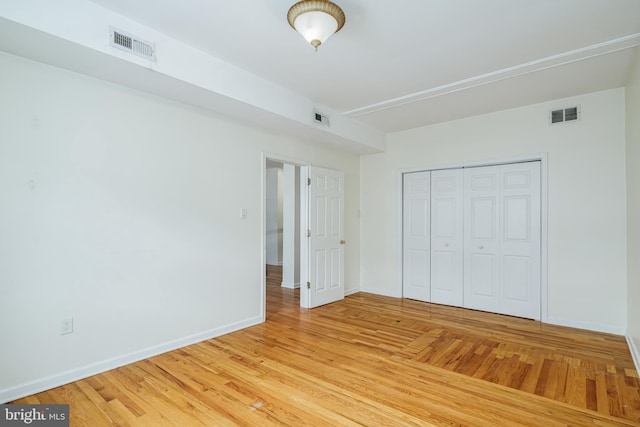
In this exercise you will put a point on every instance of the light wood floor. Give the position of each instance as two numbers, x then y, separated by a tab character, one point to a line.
370	360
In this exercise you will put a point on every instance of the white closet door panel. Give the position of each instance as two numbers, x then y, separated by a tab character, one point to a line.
481	284
517	271
418	273
443	274
502	240
520	245
446	237
418	219
481	243
416	236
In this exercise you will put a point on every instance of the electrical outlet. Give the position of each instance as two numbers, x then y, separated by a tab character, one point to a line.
66	326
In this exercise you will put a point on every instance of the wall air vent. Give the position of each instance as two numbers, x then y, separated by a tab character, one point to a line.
568	114
320	119
132	44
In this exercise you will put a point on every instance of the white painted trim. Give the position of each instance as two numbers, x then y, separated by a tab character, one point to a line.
52	381
634	348
610	46
290	285
400	204
284	159
544	237
544	225
492	161
590	326
383	292
351	292
304	241
263	237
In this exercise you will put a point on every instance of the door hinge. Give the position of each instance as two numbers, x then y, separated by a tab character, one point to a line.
308	285
308	233
308	181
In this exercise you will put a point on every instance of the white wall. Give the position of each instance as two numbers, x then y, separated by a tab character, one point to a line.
122	210
273	215
587	208
291	226
633	212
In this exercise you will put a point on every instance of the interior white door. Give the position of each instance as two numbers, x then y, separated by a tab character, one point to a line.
502	239
446	237
416	240
325	237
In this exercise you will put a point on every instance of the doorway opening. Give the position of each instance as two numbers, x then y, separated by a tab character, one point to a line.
307	204
282	225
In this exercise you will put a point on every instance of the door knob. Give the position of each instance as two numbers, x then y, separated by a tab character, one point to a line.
446	245
480	247
342	242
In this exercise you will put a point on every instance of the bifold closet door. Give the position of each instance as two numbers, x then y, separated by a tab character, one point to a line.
446	237
502	239
416	211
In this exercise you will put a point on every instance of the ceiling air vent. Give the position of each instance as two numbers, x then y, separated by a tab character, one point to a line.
132	44
569	114
320	119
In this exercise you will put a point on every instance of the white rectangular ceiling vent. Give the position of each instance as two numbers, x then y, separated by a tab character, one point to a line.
320	119
132	44
563	115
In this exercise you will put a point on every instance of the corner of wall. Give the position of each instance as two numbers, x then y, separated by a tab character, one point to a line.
632	160
634	348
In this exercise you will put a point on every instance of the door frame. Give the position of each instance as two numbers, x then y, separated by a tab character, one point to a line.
544	196
263	223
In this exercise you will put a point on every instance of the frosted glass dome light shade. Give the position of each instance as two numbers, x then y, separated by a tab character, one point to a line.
316	20
316	26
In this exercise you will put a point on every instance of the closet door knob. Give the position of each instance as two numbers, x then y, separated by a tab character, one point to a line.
446	245
480	247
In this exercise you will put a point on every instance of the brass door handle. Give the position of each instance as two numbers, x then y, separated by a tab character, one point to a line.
342	242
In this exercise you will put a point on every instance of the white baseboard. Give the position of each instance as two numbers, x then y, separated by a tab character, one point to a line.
384	293
634	348
348	292
290	285
590	326
56	380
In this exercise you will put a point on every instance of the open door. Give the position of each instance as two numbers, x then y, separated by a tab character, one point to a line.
322	247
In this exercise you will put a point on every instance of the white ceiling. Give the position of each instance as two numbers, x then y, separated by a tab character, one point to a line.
406	63
395	65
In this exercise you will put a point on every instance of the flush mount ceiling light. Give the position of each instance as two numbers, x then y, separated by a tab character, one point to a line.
316	20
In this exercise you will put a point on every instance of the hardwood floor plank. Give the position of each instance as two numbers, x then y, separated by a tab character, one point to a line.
575	392
602	395
370	360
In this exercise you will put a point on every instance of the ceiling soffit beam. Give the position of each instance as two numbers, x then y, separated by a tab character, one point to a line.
592	51
218	83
